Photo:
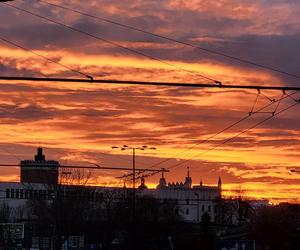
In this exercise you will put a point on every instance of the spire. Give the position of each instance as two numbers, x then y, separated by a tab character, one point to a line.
162	181
188	179
201	183
220	183
143	185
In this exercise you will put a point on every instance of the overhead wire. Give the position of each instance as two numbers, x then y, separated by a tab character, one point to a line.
115	44
44	57
297	101
111	42
210	51
224	129
237	135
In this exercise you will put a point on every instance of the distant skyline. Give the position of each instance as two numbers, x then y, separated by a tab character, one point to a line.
78	123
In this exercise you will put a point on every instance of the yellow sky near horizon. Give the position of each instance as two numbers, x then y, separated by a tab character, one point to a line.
78	123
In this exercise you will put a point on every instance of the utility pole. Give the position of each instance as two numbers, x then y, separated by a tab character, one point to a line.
126	147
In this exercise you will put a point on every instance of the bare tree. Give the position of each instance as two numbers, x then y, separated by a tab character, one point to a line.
5	212
60	209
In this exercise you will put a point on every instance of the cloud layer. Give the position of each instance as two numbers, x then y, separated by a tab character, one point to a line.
80	122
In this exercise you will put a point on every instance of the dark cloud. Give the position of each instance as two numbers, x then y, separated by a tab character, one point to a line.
80	123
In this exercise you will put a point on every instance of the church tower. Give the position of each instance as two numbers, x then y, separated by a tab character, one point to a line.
162	181
188	179
220	183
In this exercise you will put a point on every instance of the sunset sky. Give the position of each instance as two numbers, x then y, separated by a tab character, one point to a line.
78	123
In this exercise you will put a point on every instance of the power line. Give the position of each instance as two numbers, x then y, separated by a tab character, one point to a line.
226	140
86	167
101	153
176	40
225	129
135	51
235	136
145	83
44	57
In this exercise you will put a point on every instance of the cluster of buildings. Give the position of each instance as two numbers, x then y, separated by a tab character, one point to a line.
192	201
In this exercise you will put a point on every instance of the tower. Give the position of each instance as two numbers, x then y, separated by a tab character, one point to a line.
143	185
162	181
188	179
220	183
39	170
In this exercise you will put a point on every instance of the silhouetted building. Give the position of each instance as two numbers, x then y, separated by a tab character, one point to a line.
143	185
39	170
192	201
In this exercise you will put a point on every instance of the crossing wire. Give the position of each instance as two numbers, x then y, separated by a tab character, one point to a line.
115	44
210	51
237	135
228	139
43	57
223	130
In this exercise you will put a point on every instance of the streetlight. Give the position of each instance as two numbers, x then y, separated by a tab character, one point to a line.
126	147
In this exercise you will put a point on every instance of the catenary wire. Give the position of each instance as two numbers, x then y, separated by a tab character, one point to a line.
223	130
43	57
77	30
225	141
175	40
115	44
235	136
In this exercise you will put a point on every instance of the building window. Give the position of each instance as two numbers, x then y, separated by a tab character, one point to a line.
21	193
209	208
7	193
50	195
203	208
30	194
17	193
35	194
40	195
12	193
26	194
187	211
187	201
44	194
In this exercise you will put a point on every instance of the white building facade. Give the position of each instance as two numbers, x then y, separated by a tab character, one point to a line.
191	202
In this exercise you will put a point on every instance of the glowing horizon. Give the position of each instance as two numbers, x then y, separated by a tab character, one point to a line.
78	123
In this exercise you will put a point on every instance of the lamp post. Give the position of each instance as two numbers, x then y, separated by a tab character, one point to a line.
126	147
